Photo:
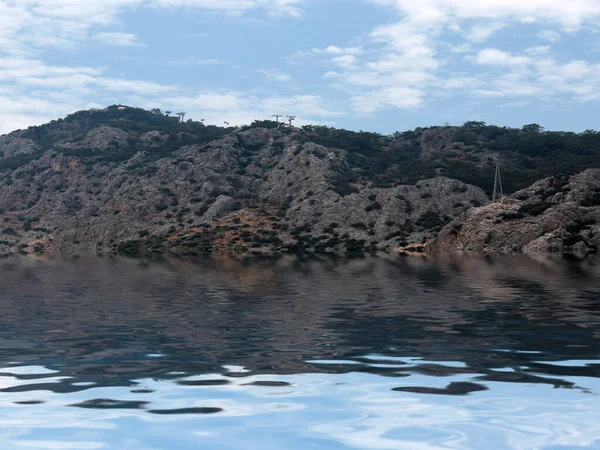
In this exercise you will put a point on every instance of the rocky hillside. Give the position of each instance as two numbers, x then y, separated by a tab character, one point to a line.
124	180
551	216
467	153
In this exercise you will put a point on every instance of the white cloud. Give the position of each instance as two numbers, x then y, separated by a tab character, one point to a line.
396	97
569	15
134	86
331	51
541	77
538	50
284	7
27	74
39	24
404	60
519	104
16	69
33	92
331	75
461	48
276	75
465	82
495	57
393	78
117	39
344	61
364	78
239	108
335	50
483	32
549	35
400	65
273	7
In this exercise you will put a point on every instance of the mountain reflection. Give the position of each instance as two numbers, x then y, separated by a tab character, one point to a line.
112	321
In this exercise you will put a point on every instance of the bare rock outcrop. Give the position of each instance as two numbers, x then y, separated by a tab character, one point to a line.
99	139
14	145
559	216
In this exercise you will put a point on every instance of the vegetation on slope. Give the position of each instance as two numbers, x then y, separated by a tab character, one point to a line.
138	181
467	153
129	119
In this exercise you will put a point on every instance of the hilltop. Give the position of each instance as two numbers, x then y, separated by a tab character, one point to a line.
126	180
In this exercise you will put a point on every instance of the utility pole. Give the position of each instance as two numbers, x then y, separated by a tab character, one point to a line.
290	119
181	116
497	184
277	116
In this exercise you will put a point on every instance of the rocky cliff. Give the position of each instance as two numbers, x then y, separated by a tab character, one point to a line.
124	180
552	216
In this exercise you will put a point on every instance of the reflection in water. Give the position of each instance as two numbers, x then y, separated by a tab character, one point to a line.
297	353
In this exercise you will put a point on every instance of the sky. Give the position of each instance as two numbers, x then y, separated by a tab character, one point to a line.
373	65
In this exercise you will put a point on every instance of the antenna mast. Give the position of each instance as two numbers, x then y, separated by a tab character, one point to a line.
290	119
277	116
181	116
497	184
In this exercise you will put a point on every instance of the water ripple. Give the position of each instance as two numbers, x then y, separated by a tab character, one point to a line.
366	353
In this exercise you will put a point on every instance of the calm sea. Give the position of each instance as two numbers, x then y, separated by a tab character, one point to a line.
373	353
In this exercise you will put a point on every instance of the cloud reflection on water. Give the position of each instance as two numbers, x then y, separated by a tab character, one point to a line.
299	354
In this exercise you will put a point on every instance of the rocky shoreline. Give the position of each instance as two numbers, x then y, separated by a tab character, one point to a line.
549	217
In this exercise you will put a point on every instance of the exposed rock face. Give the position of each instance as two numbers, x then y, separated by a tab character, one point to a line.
12	145
107	189
551	216
102	138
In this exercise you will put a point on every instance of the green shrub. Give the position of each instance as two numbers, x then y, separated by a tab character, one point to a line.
593	199
512	215
373	206
430	220
534	209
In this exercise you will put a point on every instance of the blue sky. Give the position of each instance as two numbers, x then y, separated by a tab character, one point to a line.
377	65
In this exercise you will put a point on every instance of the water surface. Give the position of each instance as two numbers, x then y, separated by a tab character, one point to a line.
373	353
